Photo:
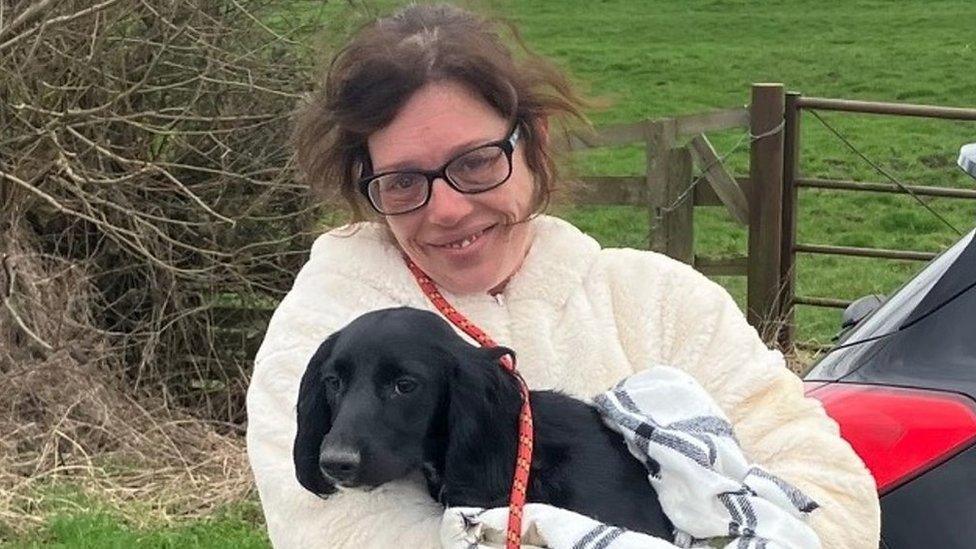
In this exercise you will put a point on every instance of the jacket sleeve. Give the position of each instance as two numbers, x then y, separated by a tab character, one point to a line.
397	514
779	428
671	314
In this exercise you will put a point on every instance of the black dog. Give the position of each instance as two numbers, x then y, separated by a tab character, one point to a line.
398	390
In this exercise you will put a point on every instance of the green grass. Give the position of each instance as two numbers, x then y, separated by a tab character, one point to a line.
74	520
662	58
668	58
98	530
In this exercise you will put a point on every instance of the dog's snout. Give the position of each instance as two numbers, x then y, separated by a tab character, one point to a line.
341	464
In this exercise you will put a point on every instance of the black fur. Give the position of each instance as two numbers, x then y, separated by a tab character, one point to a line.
455	417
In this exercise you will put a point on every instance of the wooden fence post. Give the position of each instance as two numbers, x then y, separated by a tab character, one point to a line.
679	219
765	208
791	170
668	177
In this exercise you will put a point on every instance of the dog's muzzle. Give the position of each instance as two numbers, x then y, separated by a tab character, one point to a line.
341	465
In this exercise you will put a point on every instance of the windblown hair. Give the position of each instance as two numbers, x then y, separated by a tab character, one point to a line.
387	61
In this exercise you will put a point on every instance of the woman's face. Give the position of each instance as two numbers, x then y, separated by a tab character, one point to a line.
464	242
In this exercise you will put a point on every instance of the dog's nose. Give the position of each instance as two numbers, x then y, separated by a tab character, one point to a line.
342	464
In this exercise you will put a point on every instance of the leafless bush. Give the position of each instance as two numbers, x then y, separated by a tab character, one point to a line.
150	219
68	412
145	142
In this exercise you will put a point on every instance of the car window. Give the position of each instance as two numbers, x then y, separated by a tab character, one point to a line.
900	308
939	283
958	278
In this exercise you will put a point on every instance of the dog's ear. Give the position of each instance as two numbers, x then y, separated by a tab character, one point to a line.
482	423
496	352
314	422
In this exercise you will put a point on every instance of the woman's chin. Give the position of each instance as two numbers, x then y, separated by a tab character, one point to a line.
475	284
474	273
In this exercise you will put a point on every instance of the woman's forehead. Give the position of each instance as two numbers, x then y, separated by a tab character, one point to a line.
438	121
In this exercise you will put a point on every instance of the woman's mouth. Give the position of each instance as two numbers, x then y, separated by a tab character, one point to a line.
464	242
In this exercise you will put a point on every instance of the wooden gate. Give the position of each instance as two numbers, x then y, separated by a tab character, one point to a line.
670	191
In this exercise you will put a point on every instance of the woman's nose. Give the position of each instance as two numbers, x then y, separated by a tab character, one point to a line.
446	205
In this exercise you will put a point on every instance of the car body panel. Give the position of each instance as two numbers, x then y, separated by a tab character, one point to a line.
922	337
937	509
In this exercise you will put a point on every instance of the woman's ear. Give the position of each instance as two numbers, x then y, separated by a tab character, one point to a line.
314	422
541	127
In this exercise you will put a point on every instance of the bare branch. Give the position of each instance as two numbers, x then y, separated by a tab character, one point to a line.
29	16
147	193
57	21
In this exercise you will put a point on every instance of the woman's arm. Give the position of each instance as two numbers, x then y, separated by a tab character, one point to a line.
779	428
323	299
693	324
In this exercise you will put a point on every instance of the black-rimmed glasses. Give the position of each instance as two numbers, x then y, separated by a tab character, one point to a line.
475	171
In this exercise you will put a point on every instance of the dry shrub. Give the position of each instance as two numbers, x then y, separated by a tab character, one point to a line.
67	412
150	220
147	141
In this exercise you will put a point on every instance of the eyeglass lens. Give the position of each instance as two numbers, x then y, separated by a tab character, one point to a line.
476	171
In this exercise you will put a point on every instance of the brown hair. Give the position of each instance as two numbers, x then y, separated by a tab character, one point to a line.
390	59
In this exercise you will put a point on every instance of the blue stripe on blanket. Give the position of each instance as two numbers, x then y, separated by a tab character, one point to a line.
649	431
704	424
698	439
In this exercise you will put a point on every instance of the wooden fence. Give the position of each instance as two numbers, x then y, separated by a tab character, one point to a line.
765	201
793	181
669	191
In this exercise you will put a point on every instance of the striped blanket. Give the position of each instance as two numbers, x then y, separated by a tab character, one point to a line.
708	489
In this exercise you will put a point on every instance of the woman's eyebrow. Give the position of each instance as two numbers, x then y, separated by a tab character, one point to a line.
452	153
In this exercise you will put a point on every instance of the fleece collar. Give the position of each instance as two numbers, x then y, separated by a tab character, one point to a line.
559	258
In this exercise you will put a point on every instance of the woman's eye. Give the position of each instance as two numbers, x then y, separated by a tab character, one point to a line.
404	386
474	163
400	182
405	182
333	382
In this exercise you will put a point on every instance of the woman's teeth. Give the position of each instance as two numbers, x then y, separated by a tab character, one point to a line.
464	242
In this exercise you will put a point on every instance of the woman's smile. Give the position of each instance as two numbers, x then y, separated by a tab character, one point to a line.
465	243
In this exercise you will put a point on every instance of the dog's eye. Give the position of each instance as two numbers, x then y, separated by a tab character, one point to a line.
333	382
404	385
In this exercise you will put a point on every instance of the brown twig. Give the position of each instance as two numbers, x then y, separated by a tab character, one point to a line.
147	188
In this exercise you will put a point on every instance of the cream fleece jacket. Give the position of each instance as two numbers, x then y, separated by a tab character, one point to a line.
580	319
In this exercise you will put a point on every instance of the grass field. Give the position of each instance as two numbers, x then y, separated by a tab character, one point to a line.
657	58
78	522
660	58
664	58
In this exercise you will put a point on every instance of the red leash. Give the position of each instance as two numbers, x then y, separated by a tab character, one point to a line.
523	460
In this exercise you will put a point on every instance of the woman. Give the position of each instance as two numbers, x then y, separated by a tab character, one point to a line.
430	119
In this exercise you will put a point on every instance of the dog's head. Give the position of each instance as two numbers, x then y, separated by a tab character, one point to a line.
375	400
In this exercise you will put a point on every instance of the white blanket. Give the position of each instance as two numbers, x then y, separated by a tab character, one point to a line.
706	486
